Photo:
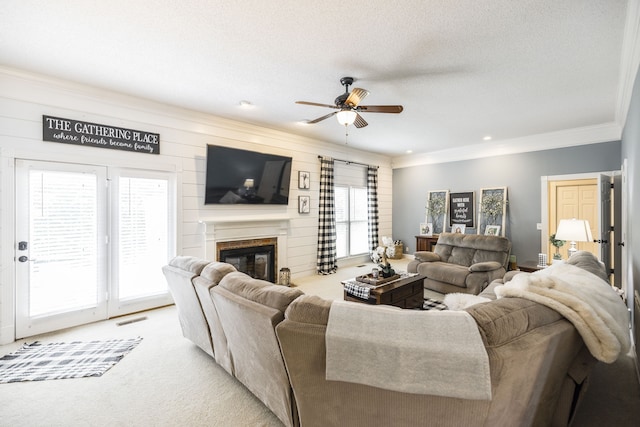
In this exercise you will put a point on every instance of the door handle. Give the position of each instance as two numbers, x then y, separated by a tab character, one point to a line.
620	243
23	259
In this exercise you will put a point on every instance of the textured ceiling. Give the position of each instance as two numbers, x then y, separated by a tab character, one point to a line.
461	69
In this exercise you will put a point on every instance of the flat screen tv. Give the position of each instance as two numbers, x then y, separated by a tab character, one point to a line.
235	176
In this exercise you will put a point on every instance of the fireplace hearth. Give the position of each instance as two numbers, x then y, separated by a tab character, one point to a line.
254	257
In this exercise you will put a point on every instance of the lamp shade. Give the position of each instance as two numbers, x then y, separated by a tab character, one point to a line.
574	230
346	117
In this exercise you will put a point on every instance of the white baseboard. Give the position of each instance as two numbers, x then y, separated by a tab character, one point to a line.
7	335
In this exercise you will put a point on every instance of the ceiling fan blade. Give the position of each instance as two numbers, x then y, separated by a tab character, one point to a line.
381	108
359	122
319	119
356	96
316	104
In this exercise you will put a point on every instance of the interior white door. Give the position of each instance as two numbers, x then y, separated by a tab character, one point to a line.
61	251
604	212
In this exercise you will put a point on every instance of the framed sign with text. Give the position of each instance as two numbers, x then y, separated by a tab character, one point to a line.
461	209
68	131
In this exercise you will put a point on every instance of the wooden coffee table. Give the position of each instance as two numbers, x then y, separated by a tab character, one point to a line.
403	293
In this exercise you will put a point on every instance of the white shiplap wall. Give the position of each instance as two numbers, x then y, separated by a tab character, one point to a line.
24	98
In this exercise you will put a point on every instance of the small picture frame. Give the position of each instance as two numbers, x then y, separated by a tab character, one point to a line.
426	229
304	180
458	228
492	230
304	204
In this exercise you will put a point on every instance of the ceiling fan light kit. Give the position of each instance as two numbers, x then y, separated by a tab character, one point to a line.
346	117
349	108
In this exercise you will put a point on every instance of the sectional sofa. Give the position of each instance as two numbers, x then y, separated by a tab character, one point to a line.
317	362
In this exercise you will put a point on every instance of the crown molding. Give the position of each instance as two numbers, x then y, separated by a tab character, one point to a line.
547	141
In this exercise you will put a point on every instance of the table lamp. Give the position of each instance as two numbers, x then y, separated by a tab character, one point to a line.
574	230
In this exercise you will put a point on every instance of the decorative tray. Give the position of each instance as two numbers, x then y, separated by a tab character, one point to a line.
368	278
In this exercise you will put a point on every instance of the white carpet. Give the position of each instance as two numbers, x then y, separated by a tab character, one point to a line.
165	381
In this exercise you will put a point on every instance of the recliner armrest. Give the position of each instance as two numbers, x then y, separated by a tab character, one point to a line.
485	266
426	256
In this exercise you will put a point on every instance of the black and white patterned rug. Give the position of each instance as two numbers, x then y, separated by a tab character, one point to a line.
39	362
433	304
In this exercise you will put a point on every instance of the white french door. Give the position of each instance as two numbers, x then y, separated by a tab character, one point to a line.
142	239
61	250
86	250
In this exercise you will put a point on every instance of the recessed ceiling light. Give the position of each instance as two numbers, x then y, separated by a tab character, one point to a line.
409	151
246	105
487	138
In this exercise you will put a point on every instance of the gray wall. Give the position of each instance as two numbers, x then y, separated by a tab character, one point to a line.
631	152
519	172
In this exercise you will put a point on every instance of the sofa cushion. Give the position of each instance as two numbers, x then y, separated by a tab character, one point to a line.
588	261
215	271
425	256
505	319
260	291
468	249
189	263
444	272
485	266
309	309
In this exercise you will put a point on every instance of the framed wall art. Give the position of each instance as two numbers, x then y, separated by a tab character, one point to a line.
492	230
436	210
493	210
304	204
462	209
304	180
458	228
426	229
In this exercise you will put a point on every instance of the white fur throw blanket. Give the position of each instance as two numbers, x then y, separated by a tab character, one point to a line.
590	303
422	352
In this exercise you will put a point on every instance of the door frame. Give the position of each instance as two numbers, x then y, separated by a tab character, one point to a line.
544	198
63	154
27	325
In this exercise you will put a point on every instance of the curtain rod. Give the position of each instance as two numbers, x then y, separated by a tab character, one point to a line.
349	162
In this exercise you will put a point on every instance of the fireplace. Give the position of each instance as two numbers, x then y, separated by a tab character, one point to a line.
246	231
254	257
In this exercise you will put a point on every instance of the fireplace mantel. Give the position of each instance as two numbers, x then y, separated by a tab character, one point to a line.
228	229
245	219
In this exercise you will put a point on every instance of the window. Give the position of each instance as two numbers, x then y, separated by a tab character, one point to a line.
351	210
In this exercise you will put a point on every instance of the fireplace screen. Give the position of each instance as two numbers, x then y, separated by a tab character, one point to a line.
255	261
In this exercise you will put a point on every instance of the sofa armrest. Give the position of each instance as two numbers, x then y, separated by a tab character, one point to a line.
511	274
426	256
485	266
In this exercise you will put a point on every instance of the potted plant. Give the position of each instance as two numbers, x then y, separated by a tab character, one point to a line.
558	244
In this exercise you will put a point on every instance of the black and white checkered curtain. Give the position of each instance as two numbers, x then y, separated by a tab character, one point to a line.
372	206
326	262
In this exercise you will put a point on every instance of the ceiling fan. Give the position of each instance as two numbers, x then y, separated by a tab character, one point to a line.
348	106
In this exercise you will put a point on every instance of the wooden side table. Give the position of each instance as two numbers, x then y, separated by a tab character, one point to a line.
426	243
529	266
